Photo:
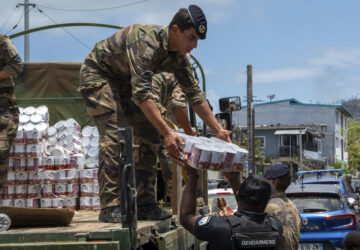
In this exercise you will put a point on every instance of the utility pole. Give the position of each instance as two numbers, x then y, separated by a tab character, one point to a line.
250	121
26	5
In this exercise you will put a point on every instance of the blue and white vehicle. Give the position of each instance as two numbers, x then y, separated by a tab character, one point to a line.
325	216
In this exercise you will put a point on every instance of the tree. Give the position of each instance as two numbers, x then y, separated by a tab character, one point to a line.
353	148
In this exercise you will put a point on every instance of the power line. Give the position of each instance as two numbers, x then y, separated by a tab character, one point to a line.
22	15
88	10
2	26
69	33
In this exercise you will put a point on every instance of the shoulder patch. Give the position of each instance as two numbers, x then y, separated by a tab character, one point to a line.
204	220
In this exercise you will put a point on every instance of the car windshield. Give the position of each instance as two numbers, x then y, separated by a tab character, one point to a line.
213	204
312	203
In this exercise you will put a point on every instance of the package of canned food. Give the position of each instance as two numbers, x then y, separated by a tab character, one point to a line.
212	153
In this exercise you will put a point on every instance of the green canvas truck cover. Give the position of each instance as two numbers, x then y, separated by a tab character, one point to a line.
52	84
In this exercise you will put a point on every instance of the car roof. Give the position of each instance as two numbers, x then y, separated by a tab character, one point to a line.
313	188
325	178
220	190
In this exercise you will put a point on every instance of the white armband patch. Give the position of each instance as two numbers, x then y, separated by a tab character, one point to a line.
203	221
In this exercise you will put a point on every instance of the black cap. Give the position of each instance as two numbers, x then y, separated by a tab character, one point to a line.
199	20
255	190
276	170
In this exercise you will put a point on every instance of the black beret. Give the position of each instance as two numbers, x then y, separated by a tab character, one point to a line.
276	170
199	20
255	190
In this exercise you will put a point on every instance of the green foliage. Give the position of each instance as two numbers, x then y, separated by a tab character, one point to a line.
353	148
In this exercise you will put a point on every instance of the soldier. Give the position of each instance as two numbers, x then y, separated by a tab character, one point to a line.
249	228
171	102
10	66
281	207
115	82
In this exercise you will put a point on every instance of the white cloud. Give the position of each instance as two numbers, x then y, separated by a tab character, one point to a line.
284	74
337	58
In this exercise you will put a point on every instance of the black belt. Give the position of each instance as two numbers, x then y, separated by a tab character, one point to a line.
6	90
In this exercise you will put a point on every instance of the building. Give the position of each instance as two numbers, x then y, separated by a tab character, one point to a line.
279	124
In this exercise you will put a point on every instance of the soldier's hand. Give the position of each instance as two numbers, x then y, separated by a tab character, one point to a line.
224	135
171	141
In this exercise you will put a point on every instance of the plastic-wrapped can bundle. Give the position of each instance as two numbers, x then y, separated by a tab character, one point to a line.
212	153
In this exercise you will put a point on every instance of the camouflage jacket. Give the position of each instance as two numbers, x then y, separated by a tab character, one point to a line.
10	61
289	216
133	55
167	96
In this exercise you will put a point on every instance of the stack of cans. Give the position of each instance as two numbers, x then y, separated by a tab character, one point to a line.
22	188
213	154
46	164
90	146
89	189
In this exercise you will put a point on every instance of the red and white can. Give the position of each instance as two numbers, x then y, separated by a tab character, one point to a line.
33	163
34	177
217	159
48	163
9	192
95	188
95	174
72	175
58	203
34	191
72	190
85	203
95	203
33	203
46	203
47	190
21	177
77	161
20	135
19	164
7	202
11	178
19	203
86	189
60	189
70	203
18	150
33	150
86	176
60	176
21	191
48	177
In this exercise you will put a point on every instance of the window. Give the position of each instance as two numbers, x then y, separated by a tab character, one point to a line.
260	140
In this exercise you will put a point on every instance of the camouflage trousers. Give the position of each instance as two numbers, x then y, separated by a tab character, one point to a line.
9	123
166	170
112	108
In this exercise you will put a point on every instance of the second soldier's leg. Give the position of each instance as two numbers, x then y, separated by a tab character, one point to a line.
147	138
9	122
103	105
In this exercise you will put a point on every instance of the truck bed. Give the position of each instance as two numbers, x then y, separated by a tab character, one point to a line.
84	228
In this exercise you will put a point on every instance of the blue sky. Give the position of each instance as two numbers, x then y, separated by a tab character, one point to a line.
303	49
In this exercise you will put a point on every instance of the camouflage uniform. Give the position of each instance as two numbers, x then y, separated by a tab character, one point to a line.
10	62
283	209
168	95
114	79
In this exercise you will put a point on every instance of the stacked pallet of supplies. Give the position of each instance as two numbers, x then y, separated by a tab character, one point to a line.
47	165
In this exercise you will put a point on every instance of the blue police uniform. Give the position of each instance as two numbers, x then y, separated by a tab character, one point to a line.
218	230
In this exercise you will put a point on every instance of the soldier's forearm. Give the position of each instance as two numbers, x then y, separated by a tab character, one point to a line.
4	75
181	115
148	107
